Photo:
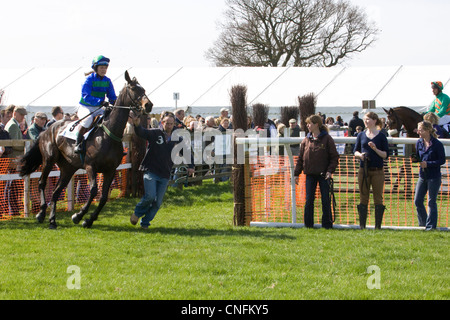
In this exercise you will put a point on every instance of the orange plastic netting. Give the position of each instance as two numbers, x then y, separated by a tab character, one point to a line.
12	190
269	192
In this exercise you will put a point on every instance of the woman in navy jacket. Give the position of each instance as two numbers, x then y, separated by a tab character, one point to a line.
431	156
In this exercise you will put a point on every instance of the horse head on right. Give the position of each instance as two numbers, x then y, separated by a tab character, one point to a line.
138	99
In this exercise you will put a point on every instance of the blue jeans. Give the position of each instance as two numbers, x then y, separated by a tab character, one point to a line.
154	187
311	186
432	187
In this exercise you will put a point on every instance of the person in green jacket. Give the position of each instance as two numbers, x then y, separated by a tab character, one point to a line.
440	105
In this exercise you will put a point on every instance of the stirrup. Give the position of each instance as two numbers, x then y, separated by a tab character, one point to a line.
79	148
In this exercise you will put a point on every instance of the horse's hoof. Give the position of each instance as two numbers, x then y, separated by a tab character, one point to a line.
75	218
87	224
40	218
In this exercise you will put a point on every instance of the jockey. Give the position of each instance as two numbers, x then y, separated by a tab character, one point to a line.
441	105
96	87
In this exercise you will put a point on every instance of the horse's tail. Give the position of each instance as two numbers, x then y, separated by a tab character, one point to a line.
31	160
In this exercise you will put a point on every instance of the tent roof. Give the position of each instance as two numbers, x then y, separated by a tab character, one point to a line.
210	87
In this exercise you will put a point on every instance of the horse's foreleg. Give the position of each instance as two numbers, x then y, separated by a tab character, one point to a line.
76	218
107	180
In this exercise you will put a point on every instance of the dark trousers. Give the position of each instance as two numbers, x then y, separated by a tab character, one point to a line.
311	186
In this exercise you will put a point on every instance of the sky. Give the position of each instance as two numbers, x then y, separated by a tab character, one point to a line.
176	33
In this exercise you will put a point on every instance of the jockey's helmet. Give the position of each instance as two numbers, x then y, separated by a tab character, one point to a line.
438	85
100	61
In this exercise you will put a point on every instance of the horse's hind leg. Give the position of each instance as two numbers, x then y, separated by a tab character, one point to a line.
107	180
42	184
64	179
76	218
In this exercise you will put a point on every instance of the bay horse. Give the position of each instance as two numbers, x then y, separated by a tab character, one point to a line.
403	116
104	153
409	119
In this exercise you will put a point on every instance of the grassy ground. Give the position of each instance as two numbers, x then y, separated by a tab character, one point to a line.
192	251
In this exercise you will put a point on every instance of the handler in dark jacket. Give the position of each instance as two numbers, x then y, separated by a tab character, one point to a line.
318	159
157	165
430	153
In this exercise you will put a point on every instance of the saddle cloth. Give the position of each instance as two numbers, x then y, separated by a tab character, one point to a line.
73	134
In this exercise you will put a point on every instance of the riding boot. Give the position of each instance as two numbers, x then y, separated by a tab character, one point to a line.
80	140
362	211
379	212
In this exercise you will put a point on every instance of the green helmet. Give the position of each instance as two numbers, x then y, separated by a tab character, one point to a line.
100	61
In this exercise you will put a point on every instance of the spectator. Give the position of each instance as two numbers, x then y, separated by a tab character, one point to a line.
354	122
40	119
294	132
359	129
323	116
329	121
281	131
187	121
210	122
24	129
430	154
13	128
4	150
224	125
371	149
223	115
5	117
57	114
339	121
179	119
434	120
154	123
318	159
383	127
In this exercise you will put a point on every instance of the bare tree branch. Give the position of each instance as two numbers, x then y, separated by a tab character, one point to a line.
291	33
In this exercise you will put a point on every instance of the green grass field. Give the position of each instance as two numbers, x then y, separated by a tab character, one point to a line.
192	251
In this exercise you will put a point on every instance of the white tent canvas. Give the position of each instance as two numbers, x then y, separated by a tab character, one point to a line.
340	90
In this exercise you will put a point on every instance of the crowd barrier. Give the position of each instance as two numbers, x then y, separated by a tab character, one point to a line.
269	189
19	197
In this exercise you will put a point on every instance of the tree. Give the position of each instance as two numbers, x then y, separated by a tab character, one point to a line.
300	33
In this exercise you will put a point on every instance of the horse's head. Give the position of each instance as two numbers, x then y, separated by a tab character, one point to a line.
136	97
393	122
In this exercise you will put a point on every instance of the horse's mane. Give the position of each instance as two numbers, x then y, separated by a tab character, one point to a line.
409	112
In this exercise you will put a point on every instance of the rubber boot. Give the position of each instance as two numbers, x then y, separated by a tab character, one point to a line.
362	211
379	212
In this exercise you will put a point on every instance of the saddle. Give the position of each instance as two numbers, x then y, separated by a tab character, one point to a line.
71	130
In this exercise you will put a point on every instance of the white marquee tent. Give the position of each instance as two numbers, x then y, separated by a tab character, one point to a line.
340	90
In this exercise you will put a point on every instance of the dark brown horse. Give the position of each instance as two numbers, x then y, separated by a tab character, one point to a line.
104	152
403	116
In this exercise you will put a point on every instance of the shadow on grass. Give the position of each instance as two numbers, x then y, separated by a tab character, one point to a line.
65	223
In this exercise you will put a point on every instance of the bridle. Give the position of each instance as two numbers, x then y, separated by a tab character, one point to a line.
397	122
135	105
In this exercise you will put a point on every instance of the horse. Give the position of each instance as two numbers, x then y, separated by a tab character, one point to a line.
103	153
409	119
403	116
